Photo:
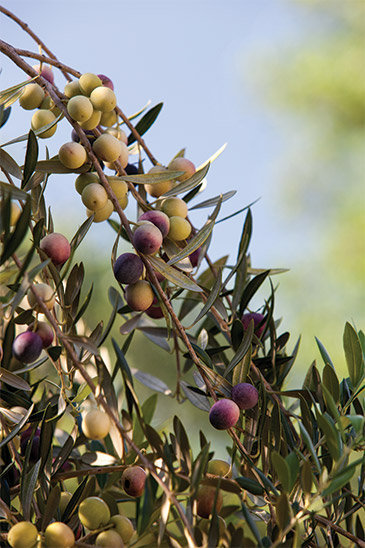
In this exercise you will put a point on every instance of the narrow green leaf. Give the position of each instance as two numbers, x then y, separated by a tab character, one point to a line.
165	511
242	249
52	504
13	380
328	428
17	236
219	383
152	382
339	481
81	233
172	250
205	280
55	166
213	156
307	477
83	391
182	440
211	299
17	428
308	442
173	275
243	348
194	243
16	87
122	362
146	122
31	157
140	111
272	271
198	400
27	486
330	381
150	178
293	463
250	485
146	504
4	115
10	99
190	183
83	342
12	191
251	524
353	354
251	289
75	500
238	212
283	511
214	201
282	470
149	408
325	356
9	165
330	403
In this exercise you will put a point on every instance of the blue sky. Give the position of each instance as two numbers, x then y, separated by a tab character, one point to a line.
199	58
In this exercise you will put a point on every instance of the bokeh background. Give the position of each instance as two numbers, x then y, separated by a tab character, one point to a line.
283	83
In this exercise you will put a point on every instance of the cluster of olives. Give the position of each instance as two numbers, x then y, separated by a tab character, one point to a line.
151	229
27	346
225	412
33	97
95	197
93	514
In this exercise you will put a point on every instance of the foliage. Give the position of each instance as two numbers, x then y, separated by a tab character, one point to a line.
296	460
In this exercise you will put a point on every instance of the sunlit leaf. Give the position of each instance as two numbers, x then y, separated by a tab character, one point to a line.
173	275
55	166
13	380
189	184
17	428
213	156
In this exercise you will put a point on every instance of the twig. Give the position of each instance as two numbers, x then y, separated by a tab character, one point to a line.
29	31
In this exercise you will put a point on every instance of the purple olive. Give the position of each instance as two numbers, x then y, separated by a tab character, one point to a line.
128	268
257	320
27	347
147	239
224	414
159	219
245	395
